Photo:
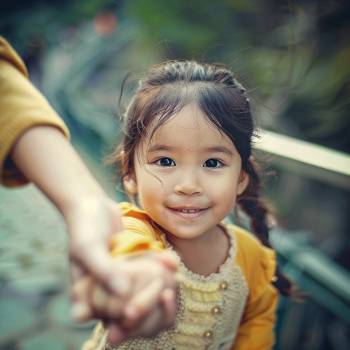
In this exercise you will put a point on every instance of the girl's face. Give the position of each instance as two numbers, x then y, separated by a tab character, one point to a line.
187	176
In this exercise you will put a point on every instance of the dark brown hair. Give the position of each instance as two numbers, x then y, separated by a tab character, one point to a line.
169	87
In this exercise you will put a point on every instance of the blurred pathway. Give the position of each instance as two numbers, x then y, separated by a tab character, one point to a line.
34	304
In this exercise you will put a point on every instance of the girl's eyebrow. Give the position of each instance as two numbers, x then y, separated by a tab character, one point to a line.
216	149
219	149
159	147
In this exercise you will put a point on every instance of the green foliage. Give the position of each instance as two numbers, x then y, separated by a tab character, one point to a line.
293	56
41	22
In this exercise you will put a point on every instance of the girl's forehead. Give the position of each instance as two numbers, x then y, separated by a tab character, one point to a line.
190	127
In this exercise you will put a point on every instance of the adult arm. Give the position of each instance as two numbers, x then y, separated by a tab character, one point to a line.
34	147
48	160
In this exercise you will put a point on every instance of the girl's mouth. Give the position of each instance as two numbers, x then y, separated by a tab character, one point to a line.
188	213
188	210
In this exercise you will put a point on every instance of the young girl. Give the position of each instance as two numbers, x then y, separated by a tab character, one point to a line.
186	158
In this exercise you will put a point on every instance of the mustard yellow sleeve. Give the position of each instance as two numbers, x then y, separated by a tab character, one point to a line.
256	331
22	106
138	235
258	264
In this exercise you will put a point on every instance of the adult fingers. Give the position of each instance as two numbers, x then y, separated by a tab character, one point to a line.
91	225
96	262
81	309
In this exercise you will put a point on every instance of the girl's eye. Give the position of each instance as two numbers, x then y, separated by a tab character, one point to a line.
213	163
165	161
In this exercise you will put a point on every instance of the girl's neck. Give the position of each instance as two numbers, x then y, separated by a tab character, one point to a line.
205	254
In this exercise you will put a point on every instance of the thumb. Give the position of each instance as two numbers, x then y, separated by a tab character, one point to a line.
96	262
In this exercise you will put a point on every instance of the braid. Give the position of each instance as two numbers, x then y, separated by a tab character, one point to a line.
260	214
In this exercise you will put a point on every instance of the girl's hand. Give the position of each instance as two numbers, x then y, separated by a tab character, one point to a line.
162	316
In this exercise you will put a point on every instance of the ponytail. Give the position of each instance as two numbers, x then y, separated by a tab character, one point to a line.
261	218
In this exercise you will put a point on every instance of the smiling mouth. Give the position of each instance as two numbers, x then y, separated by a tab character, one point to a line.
188	212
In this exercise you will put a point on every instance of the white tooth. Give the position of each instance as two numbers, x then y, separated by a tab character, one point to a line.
189	210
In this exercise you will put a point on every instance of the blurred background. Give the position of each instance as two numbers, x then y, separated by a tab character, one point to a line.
294	59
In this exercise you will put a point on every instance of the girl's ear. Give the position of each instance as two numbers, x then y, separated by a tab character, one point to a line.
130	185
243	182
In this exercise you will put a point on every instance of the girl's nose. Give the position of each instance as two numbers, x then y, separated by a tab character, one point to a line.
188	185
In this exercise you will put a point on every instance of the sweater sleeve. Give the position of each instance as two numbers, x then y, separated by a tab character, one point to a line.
139	235
258	264
22	106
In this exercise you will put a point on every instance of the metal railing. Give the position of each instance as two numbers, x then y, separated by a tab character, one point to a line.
320	162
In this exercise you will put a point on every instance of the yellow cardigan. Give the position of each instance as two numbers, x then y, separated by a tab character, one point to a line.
257	263
21	107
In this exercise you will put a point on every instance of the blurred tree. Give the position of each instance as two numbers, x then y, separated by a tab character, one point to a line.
34	24
294	54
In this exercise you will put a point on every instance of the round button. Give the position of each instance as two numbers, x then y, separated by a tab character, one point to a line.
223	285
208	334
216	310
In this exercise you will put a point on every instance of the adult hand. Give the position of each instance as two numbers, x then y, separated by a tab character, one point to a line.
48	160
91	222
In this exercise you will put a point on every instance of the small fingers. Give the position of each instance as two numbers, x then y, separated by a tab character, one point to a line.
149	326
115	307
142	302
115	334
168	301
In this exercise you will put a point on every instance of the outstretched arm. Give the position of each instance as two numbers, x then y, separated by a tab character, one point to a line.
34	147
48	160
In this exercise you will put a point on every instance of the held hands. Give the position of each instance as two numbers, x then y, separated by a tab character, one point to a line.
45	157
149	305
